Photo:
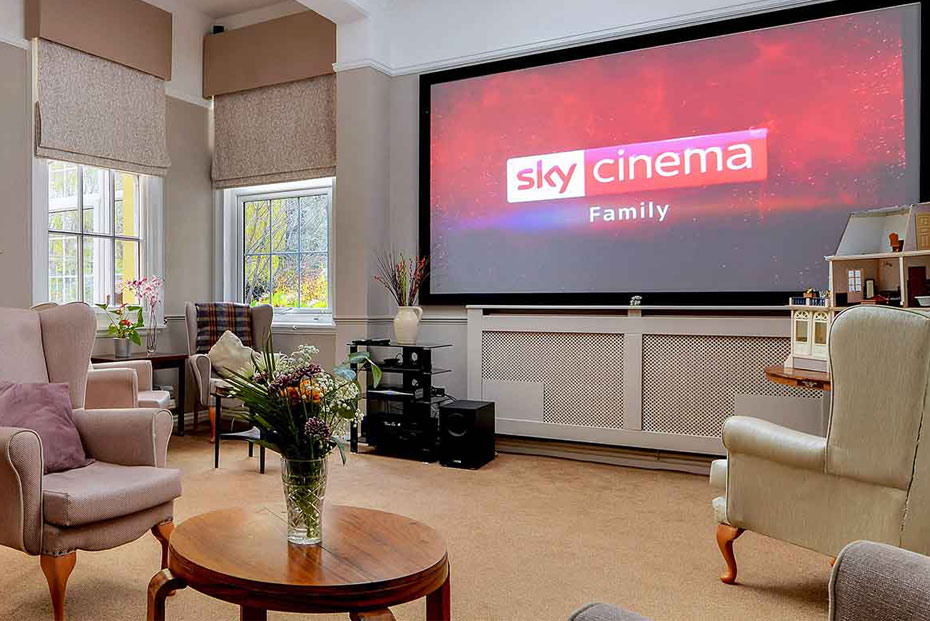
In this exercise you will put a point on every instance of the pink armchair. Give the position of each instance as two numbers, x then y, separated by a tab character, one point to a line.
124	493
124	384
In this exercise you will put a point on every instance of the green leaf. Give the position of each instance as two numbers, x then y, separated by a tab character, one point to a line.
135	338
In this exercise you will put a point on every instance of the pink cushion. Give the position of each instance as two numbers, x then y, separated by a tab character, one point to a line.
46	409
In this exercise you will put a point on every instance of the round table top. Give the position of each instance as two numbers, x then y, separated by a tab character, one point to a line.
367	558
800	378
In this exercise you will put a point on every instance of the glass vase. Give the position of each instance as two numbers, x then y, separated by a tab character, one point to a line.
304	490
151	341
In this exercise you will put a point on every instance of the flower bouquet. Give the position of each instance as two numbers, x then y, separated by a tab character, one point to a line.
303	413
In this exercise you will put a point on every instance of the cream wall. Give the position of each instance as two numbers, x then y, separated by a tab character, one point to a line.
188	208
15	257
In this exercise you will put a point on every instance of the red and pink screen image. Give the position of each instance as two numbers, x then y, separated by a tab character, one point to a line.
724	164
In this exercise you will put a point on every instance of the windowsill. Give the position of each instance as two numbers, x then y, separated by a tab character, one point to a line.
297	323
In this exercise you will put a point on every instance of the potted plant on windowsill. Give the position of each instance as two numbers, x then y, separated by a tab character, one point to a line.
125	321
402	276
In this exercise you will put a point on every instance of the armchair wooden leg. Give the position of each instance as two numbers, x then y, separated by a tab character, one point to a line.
56	570
163	532
212	424
726	535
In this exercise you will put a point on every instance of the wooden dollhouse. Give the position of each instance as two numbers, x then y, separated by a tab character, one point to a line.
883	258
873	264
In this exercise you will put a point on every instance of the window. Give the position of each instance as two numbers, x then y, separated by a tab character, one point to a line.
285	249
855	281
94	233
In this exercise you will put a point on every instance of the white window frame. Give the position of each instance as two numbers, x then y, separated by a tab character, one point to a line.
151	233
231	251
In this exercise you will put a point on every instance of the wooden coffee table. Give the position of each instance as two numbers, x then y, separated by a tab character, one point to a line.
369	560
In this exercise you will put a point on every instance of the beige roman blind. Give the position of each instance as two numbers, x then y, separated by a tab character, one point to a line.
93	111
285	132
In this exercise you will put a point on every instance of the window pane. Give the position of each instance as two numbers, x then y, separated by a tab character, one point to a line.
97	265
96	208
820	332
257	283
284	281
63	268
257	234
284	225
126	203
314	228
63	196
800	331
127	268
314	284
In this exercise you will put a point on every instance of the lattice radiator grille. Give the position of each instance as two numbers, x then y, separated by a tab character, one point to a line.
582	374
690	382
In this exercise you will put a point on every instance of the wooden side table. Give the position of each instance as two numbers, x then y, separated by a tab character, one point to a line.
369	560
798	378
161	360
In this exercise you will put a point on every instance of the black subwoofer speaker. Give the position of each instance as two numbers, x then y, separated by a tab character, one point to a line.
466	434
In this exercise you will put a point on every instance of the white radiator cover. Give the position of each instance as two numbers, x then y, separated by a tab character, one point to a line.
629	378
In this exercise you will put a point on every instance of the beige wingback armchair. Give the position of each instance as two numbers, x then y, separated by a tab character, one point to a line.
201	368
869	478
124	384
124	493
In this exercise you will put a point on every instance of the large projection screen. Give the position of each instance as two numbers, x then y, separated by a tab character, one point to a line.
714	164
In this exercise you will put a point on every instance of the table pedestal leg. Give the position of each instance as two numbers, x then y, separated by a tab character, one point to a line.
439	603
162	584
247	613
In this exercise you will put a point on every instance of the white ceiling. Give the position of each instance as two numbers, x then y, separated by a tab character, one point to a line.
222	8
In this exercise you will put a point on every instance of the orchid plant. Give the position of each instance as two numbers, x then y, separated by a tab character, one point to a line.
148	290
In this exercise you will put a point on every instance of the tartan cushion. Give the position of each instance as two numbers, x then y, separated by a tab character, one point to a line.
215	318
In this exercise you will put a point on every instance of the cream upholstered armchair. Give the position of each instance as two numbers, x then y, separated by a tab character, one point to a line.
124	384
201	368
114	500
869	478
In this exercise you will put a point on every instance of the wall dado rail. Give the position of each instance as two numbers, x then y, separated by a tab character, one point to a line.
663	378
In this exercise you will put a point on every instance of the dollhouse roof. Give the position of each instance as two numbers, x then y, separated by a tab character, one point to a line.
867	231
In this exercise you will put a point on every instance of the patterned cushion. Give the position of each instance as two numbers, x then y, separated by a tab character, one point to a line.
215	318
102	491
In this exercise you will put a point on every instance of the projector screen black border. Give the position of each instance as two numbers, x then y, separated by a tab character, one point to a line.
732	25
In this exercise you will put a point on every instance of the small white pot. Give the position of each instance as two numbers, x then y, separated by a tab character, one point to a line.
122	347
407	324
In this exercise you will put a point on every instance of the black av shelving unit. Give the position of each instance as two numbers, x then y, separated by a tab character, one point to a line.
402	412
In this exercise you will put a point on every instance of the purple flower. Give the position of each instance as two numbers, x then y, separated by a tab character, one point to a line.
317	429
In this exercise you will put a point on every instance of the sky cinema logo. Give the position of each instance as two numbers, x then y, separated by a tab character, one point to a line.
732	157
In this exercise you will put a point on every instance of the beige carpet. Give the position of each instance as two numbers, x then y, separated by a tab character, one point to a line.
529	538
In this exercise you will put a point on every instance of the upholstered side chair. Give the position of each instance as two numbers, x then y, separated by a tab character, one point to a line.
114	500
869	478
204	378
107	386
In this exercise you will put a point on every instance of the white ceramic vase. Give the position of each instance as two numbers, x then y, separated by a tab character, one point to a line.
407	324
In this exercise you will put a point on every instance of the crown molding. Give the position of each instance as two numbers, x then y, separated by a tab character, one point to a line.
362	63
606	34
